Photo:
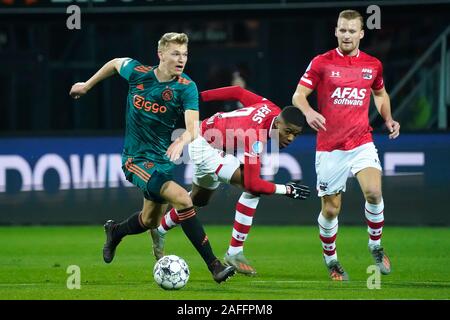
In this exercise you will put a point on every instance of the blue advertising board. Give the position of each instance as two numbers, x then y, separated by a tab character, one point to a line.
49	175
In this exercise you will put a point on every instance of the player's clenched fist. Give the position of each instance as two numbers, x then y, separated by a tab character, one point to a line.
393	127
78	89
297	191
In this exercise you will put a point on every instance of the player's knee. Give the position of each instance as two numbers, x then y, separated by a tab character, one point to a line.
183	201
331	211
373	196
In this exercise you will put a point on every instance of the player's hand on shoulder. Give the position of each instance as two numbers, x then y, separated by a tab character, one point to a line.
393	128
78	89
315	120
297	191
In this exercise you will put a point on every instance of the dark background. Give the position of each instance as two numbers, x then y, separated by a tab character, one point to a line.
271	49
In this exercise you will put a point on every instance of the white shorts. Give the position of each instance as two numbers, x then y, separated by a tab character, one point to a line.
333	168
211	166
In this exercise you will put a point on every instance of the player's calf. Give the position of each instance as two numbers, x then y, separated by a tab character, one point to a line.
169	220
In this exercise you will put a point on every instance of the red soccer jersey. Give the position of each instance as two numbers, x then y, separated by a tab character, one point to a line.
343	86
248	127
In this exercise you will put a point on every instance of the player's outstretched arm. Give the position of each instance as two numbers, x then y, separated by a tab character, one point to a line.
299	99
234	93
383	104
110	68
253	182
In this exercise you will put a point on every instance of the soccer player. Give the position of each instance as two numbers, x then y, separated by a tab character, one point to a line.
157	97
344	78
249	127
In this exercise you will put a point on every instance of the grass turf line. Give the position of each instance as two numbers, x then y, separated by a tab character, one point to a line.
34	260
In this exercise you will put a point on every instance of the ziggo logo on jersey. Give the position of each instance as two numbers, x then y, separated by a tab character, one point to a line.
139	102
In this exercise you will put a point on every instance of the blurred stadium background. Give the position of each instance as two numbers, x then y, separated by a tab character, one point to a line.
60	158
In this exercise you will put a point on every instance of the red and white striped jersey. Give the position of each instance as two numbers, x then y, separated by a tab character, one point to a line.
343	85
248	128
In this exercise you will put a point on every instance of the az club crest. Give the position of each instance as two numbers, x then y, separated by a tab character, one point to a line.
367	73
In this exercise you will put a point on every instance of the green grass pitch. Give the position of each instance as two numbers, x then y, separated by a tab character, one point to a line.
34	262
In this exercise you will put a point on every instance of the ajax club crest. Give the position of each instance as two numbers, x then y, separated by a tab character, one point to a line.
167	94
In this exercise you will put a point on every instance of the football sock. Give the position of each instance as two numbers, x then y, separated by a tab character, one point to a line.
169	221
193	229
132	225
375	222
245	209
328	231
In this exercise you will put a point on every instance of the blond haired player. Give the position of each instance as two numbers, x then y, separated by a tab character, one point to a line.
344	78
158	96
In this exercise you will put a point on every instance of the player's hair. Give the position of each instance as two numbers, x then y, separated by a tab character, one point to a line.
293	115
350	15
172	37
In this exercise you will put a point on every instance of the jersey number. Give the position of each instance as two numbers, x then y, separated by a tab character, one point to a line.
238	113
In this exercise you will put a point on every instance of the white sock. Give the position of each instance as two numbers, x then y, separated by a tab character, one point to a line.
234	250
328	231
375	221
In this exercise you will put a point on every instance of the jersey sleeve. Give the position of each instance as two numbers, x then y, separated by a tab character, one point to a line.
189	98
245	97
129	69
252	169
311	77
378	83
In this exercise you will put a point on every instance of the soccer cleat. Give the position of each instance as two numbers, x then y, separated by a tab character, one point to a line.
221	272
109	249
336	271
381	259
158	243
240	263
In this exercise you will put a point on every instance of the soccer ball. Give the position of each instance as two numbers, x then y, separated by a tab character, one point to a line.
171	272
